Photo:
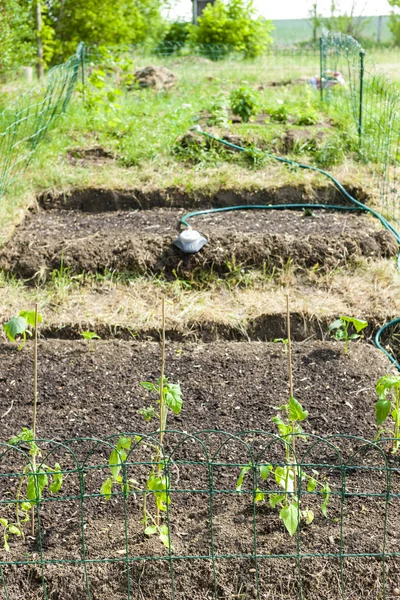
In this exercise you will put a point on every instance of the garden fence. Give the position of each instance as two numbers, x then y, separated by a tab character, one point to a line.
24	123
372	101
223	542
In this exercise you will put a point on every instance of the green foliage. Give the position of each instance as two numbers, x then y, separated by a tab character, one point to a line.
288	477
169	396
16	35
112	22
34	480
394	22
341	330
218	110
18	327
388	391
90	336
175	37
245	102
235	25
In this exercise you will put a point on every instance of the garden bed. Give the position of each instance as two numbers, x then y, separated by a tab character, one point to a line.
226	387
138	242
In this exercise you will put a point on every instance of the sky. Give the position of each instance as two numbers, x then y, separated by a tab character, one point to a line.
297	9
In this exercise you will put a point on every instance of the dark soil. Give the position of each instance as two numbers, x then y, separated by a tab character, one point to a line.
95	200
90	156
232	387
141	242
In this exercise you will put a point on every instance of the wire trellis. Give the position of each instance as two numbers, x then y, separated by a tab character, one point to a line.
223	541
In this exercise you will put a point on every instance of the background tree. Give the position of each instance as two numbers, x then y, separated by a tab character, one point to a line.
233	23
110	22
16	35
352	23
394	23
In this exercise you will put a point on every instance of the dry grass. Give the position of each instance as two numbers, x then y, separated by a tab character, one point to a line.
370	290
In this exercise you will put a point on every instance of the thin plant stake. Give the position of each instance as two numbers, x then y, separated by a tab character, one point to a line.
35	395
289	337
163	407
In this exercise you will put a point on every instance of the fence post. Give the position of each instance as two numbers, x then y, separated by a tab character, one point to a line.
321	68
360	114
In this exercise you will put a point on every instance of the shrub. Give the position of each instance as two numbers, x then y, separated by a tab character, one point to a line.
175	37
233	23
245	102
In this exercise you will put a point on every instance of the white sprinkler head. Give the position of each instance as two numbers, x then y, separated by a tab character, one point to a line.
190	241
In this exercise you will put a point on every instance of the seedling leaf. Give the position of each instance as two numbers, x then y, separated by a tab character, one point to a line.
290	517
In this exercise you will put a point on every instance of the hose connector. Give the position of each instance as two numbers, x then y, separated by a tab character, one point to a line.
190	241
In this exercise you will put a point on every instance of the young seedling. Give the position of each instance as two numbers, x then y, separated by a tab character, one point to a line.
388	390
36	479
288	476
283	341
90	336
169	397
341	330
17	328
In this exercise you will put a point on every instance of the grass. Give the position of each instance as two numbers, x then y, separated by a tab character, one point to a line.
113	302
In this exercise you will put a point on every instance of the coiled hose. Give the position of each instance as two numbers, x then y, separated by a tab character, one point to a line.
356	206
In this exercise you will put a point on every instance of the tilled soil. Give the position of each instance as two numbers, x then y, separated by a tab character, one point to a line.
138	242
229	387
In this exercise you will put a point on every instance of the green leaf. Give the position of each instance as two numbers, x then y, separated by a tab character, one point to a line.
158	484
106	488
148	386
57	480
311	484
326	494
124	443
29	316
296	411
358	324
242	475
25	506
15	530
284	477
284	429
36	484
336	324
90	335
387	383
382	410
165	540
275	499
290	517
150	530
259	496
173	397
4	522
308	516
14	327
265	470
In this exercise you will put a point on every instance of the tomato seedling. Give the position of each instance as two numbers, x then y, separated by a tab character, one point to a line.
20	326
341	330
388	391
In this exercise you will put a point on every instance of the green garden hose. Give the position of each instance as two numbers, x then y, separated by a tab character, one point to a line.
357	206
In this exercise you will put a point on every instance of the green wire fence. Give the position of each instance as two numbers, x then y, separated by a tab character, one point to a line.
225	541
372	101
24	123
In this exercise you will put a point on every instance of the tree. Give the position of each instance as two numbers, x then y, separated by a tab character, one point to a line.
233	23
394	22
114	22
16	35
316	20
350	23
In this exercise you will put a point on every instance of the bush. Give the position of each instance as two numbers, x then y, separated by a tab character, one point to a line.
175	37
17	41
233	24
245	102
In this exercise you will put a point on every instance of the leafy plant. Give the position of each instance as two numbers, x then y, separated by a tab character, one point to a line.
90	336
245	102
283	341
169	397
35	479
7	529
233	25
218	110
341	330
19	327
288	476
388	391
